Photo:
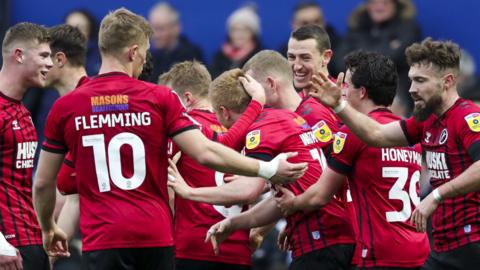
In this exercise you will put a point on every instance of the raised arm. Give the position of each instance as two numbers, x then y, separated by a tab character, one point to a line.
368	130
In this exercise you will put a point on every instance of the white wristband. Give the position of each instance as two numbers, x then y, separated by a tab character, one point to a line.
268	169
436	196
6	249
340	106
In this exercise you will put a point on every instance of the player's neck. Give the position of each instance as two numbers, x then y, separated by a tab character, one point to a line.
201	104
71	77
291	100
368	106
11	84
448	100
112	64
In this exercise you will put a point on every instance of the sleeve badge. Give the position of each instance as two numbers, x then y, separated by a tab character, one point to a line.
473	121
322	131
339	142
253	139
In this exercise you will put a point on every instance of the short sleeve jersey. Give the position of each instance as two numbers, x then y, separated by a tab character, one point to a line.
450	144
277	131
18	143
116	129
193	219
384	188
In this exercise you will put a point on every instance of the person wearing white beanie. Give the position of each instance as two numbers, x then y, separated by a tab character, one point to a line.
243	27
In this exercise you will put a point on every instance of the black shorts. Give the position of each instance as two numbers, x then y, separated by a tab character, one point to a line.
185	264
34	257
336	257
465	258
159	258
387	268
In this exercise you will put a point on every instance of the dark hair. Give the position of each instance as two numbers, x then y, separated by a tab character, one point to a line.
313	32
24	32
69	40
147	68
376	72
440	53
92	21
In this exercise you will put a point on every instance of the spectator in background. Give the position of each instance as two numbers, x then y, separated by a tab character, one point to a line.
307	13
468	82
168	45
87	24
387	27
243	27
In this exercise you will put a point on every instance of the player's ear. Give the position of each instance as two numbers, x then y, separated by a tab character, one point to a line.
363	92
188	97
60	59
327	56
18	55
132	52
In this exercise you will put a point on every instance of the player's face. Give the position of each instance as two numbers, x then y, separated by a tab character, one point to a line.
426	90
54	74
223	116
37	63
304	59
352	94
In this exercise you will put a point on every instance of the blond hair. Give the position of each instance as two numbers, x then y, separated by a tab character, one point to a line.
268	62
190	76
227	91
24	32
122	28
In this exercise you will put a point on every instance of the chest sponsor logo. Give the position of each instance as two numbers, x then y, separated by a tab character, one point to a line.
443	136
473	121
301	122
109	103
437	165
322	131
253	139
339	142
25	154
218	129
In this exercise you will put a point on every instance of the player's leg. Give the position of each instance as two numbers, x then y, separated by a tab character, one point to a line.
34	258
115	259
331	258
157	258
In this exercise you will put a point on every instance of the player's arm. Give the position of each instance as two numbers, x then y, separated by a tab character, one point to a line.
69	217
367	129
261	214
244	190
224	159
316	196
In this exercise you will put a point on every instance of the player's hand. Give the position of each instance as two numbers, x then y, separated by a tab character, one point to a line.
326	91
55	242
285	202
218	233
255	239
423	211
11	262
253	88
282	240
286	171
176	181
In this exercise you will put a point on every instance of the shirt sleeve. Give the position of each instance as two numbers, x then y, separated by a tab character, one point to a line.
54	130
412	129
469	131
66	179
262	141
345	150
176	117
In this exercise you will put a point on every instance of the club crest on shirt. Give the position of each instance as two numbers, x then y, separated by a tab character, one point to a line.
253	139
339	142
473	121
322	131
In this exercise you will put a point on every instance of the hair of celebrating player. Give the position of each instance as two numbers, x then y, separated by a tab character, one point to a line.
24	32
70	41
315	32
376	72
191	76
227	91
122	28
442	54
